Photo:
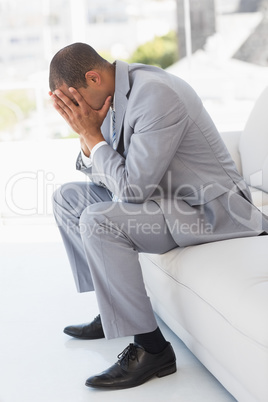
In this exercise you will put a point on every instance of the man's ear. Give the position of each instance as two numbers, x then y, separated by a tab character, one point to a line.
93	77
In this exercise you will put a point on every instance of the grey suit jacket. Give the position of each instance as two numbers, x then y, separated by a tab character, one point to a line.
174	155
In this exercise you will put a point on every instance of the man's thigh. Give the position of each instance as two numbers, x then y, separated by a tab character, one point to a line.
142	224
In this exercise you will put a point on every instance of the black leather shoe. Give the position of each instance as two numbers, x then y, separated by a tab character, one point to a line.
92	330
134	367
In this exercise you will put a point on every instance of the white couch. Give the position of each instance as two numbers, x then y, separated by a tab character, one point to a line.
215	296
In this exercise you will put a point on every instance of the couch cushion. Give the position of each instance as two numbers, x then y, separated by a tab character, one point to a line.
226	277
254	145
215	298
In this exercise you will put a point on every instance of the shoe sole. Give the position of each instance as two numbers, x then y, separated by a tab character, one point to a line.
167	371
82	337
164	371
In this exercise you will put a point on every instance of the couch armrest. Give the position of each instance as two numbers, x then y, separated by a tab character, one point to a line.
231	140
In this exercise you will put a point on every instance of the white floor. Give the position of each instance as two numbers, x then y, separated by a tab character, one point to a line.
39	363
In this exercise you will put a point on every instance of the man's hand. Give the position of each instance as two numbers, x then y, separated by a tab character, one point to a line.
84	120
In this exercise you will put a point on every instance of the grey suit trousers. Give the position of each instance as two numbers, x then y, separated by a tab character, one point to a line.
102	239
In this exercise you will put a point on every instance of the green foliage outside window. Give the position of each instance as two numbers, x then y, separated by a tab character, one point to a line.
162	51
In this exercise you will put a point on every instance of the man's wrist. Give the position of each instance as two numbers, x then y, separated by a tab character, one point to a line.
86	159
86	151
92	140
84	148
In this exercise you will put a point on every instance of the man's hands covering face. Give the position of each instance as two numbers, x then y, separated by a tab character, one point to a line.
84	120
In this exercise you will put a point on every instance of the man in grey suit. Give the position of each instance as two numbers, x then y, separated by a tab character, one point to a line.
160	178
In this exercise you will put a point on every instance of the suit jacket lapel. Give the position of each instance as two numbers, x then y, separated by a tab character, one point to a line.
122	88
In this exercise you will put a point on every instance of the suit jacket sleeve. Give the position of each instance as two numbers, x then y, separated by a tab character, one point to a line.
158	122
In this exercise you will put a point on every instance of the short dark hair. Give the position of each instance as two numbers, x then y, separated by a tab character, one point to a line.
70	64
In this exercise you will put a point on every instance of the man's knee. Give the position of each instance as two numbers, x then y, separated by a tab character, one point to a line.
56	197
64	192
73	197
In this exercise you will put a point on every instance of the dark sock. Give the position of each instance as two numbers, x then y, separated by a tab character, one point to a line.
153	342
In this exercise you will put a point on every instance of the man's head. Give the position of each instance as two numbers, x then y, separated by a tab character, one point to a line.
81	67
71	64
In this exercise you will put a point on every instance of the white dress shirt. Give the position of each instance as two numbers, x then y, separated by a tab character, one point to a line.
87	160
